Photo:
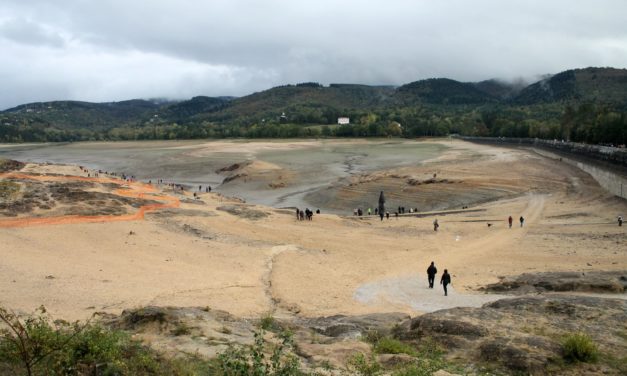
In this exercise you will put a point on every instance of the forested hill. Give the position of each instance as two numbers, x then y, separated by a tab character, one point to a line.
75	114
582	104
443	91
606	85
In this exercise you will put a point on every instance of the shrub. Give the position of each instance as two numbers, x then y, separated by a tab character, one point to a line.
181	329
579	347
251	360
372	336
362	366
387	345
38	346
429	359
267	322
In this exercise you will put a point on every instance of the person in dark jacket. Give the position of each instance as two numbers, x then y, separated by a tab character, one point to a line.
431	272
445	281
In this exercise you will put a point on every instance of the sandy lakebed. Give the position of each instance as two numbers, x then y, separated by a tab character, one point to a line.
250	259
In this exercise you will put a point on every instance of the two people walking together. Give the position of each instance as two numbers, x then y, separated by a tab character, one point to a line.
444	281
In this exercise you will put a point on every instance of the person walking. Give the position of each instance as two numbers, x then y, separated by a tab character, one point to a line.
436	225
522	221
620	220
431	272
510	220
445	281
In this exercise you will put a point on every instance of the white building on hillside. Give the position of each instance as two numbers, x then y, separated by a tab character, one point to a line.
343	120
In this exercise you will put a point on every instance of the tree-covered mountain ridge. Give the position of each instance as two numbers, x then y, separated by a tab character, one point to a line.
425	107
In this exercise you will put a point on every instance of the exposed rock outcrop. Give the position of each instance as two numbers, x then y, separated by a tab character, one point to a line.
600	282
523	334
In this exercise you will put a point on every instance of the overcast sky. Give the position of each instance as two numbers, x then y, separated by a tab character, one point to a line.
110	50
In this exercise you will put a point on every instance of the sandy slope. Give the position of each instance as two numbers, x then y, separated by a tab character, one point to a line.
200	255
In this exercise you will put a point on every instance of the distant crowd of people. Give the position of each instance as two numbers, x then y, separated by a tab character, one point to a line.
132	179
359	212
306	214
301	215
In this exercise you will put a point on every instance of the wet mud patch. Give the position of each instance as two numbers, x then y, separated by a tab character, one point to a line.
243	212
168	213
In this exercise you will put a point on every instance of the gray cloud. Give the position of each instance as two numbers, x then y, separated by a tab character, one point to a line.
115	50
23	31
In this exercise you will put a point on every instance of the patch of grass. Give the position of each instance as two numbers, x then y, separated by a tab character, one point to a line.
360	365
622	334
267	322
429	359
181	329
8	189
618	363
387	345
326	365
372	336
579	347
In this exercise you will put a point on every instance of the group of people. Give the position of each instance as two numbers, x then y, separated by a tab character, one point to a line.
510	220
307	214
359	212
401	210
445	280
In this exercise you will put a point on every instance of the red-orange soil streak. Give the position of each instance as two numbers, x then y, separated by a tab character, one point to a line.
134	190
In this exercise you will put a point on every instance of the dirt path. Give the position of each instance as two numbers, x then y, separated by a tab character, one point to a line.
203	255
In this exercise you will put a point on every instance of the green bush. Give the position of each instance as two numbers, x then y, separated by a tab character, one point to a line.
252	360
38	346
372	336
429	359
579	347
387	345
362	366
267	322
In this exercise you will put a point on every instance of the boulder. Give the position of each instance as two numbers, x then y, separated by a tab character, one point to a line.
355	326
597	281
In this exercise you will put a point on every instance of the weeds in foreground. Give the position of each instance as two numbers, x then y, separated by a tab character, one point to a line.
37	346
579	347
360	365
253	360
267	322
428	358
387	345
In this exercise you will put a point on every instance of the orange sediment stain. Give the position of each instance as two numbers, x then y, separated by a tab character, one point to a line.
134	190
